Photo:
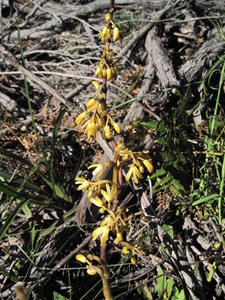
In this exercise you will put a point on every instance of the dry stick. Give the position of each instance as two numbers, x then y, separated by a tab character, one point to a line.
31	77
142	31
64	261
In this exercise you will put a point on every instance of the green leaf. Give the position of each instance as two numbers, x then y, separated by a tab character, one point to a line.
60	192
57	296
27	211
163	182
54	136
26	163
206	199
33	235
170	287
10	191
169	230
177	185
181	295
158	173
174	190
211	272
160	282
49	229
139	289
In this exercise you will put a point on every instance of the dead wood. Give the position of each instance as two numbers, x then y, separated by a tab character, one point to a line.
162	63
203	57
217	6
33	79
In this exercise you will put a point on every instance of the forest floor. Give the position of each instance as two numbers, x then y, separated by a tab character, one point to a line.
168	97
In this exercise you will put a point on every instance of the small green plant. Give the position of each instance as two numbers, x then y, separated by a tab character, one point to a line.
167	289
174	151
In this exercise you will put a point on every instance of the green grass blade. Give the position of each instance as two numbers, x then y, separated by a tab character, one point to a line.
221	191
11	218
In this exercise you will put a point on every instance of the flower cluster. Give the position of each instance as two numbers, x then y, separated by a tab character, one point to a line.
136	162
107	67
110	31
102	192
96	118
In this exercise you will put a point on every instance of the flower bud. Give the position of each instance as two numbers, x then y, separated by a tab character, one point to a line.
107	132
80	118
81	258
133	260
116	34
90	103
116	127
107	17
108	74
91	271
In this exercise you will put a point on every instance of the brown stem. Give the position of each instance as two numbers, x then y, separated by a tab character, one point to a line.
112	7
103	252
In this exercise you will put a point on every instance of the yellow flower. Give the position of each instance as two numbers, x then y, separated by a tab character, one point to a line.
110	193
107	132
116	127
105	35
98	72
119	238
133	171
108	74
81	258
80	118
91	130
125	251
90	103
96	85
108	221
84	183
102	210
96	201
103	232
107	17
141	169
99	168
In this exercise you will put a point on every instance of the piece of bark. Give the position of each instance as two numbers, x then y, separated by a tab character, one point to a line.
153	19
162	63
204	56
8	103
210	5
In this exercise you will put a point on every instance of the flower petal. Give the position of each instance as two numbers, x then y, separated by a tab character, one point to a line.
129	173
96	201
148	165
